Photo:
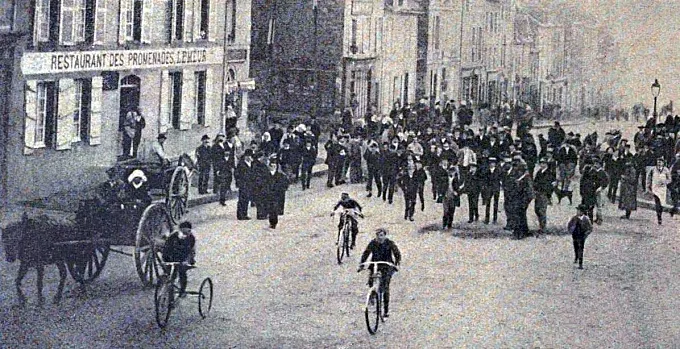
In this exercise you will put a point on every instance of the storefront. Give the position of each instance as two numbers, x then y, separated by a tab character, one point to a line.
72	105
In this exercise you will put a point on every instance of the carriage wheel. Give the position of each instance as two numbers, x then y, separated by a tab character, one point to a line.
154	223
177	194
85	265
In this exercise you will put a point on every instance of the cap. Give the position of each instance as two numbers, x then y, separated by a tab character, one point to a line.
493	160
205	138
248	152
185	225
162	136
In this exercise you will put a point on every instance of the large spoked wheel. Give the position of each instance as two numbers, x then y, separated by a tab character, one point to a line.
372	312
163	302
86	264
205	297
154	223
177	195
340	251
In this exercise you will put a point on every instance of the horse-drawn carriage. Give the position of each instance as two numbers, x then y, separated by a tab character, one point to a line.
84	241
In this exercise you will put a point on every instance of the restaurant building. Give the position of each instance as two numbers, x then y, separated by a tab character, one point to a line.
78	67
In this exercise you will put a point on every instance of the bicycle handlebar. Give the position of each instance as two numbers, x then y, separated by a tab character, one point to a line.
377	263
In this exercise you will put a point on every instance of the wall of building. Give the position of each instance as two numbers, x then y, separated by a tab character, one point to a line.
444	23
40	172
400	50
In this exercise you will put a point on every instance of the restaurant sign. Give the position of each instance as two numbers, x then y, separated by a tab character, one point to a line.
33	63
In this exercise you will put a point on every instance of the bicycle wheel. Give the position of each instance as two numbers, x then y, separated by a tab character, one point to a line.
372	312
340	253
163	299
205	297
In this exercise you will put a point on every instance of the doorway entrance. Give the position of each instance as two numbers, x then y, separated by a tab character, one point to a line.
129	97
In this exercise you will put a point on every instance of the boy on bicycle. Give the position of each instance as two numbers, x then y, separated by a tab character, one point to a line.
382	249
349	204
180	247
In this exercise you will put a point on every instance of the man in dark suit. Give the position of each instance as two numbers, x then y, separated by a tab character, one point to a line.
472	187
274	193
451	198
409	185
524	193
221	169
491	178
244	175
204	161
543	189
372	157
390	171
260	171
309	153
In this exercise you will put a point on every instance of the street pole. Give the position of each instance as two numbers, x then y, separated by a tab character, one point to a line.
655	113
317	85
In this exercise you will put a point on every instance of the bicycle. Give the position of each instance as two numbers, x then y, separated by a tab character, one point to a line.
374	297
343	246
167	288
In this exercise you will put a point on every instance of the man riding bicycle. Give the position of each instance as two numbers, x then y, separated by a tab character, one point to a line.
382	249
180	247
349	204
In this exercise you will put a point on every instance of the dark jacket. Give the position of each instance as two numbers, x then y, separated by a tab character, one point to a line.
204	157
491	181
409	184
274	192
543	181
472	182
385	252
245	178
308	156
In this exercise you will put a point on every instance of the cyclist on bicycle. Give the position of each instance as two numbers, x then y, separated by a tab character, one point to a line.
382	249
180	247
349	204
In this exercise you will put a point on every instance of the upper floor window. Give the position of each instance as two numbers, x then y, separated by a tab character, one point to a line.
6	15
231	21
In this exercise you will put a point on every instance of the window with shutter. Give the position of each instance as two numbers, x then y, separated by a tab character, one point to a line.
66	24
42	110
147	21
199	94
186	116
101	14
122	23
32	120
188	20
95	124
79	14
164	108
204	26
66	104
77	110
41	30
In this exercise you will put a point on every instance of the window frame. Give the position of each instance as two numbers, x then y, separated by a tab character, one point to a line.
200	96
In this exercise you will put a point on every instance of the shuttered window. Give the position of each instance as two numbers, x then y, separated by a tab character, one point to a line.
100	21
66	22
186	116
65	109
210	97
41	32
200	97
204	26
95	123
43	91
39	127
188	20
176	99
147	21
164	107
77	110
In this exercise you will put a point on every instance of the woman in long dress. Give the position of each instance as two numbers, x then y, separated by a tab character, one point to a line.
628	193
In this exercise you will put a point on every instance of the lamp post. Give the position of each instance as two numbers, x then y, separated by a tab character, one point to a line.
656	89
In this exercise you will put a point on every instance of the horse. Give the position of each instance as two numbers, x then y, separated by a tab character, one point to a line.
31	241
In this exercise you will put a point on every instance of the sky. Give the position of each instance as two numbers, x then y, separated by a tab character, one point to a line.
648	32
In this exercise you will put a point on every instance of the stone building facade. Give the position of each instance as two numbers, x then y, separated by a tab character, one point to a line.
78	67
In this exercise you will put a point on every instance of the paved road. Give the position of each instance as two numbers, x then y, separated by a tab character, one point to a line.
470	287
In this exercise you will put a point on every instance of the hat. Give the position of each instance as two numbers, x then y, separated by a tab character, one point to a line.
135	175
185	225
161	136
570	134
205	138
248	152
493	160
641	127
582	208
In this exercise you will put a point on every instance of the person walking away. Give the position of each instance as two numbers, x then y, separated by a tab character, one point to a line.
472	187
658	179
421	177
382	249
451	198
276	184
244	175
628	195
543	181
409	185
373	164
204	161
309	153
580	227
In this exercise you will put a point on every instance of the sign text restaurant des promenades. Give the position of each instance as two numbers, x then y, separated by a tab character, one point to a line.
34	63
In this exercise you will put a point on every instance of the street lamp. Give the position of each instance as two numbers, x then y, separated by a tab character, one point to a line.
656	89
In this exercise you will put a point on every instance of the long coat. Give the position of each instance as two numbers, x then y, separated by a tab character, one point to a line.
628	199
657	182
274	192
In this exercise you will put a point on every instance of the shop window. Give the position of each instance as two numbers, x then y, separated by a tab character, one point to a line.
200	94
176	99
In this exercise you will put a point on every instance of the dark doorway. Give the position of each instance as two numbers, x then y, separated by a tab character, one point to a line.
129	97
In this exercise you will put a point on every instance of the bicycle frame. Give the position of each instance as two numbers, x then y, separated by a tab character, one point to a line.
376	287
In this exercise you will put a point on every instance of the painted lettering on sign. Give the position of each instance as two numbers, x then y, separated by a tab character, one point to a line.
62	62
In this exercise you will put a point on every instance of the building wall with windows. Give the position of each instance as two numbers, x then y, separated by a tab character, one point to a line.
81	65
8	38
398	59
443	52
